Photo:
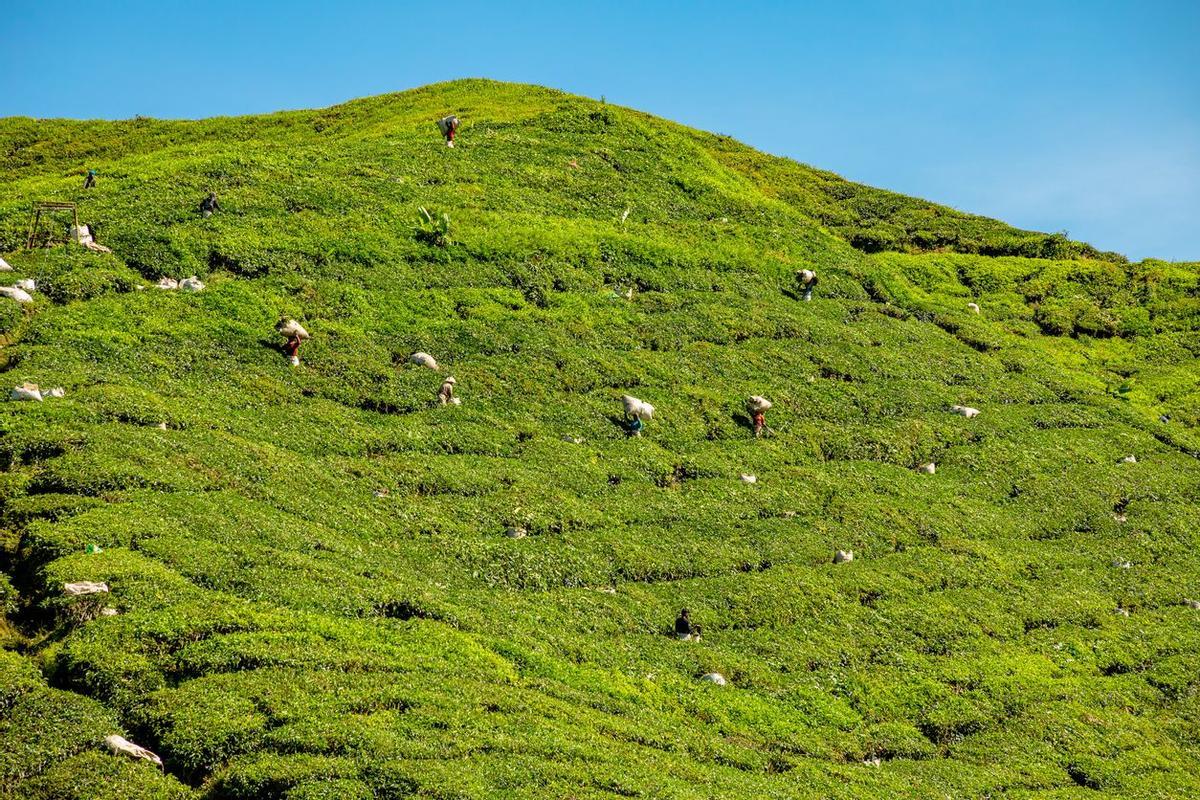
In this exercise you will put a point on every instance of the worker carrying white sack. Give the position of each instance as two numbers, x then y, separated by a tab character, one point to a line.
757	407
636	413
807	280
448	126
293	333
446	392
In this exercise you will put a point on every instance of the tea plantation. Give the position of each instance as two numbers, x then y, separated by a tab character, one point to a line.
315	593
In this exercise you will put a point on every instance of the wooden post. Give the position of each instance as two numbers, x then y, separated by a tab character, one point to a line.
35	215
48	206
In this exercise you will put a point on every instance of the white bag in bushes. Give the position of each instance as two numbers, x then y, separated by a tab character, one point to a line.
16	293
192	284
120	746
27	284
26	391
31	391
424	360
85	587
4	267
167	283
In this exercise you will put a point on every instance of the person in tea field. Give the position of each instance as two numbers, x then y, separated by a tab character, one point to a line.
209	204
685	629
635	426
757	407
448	126
807	280
291	349
90	180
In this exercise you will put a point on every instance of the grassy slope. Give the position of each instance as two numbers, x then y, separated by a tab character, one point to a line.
287	633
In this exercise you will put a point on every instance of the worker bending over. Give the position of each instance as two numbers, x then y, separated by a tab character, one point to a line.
807	280
684	629
448	126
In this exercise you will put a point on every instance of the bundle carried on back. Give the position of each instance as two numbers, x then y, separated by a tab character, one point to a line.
637	408
290	329
757	404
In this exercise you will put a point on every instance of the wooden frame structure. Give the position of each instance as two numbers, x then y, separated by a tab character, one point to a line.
48	206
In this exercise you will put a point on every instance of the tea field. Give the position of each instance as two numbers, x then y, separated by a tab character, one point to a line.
315	594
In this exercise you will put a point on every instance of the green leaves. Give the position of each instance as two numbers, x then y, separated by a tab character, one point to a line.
433	228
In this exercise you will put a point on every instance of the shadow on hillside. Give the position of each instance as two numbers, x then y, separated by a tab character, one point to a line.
744	421
272	344
619	421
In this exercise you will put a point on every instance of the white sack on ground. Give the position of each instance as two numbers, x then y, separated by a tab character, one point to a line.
85	587
26	391
120	746
424	360
16	293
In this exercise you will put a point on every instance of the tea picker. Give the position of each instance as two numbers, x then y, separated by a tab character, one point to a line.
446	392
293	333
636	412
209	204
448	126
807	280
685	629
90	180
757	407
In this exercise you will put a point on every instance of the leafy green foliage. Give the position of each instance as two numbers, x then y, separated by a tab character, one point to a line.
433	228
315	595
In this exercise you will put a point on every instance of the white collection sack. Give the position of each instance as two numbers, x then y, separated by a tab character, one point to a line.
16	293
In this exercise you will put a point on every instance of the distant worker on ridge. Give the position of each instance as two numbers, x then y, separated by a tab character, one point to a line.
448	126
90	180
807	280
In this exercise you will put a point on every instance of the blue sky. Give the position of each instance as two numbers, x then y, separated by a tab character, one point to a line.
1054	115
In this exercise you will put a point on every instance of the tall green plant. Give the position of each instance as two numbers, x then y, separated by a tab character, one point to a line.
433	228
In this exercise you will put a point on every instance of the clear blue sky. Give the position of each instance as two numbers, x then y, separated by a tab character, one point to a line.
1053	115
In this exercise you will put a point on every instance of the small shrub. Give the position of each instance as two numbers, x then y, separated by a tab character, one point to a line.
433	228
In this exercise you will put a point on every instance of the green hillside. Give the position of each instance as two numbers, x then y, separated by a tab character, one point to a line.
315	593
